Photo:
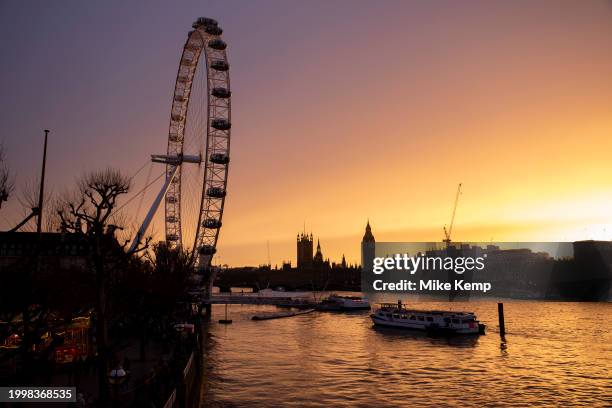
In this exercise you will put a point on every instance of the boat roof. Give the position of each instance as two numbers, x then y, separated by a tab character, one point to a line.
437	312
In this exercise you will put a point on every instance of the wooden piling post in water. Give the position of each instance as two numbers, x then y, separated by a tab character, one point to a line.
226	320
502	324
207	310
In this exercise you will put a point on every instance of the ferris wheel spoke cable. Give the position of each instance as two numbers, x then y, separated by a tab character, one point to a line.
138	193
143	191
148	162
131	179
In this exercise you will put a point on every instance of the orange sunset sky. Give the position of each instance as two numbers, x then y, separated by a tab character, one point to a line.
342	111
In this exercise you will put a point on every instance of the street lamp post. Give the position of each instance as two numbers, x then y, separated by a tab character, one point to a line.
116	378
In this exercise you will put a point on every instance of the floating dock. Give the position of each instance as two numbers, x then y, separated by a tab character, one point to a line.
280	315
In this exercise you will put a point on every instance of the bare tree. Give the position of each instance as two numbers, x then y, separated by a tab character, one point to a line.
94	201
91	211
28	198
7	183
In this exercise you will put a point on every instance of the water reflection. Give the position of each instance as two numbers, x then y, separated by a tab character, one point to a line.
404	335
555	354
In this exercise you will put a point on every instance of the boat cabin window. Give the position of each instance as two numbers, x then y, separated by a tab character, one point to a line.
421	318
396	316
455	320
429	319
388	314
404	316
412	318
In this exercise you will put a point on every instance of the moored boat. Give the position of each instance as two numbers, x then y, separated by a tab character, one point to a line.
344	303
432	321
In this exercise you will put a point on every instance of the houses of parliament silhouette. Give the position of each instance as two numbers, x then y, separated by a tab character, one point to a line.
306	260
312	272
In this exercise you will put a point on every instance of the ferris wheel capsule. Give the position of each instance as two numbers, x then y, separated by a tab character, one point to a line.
204	21
213	30
219	65
217	44
221	92
221	124
216	192
219	158
211	223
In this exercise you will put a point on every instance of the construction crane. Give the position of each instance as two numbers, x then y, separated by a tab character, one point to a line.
447	233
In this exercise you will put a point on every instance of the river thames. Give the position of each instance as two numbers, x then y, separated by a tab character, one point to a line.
555	354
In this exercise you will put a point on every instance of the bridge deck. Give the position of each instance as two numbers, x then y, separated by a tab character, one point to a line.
263	300
254	299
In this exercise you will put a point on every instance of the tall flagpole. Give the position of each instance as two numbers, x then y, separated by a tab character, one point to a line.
42	186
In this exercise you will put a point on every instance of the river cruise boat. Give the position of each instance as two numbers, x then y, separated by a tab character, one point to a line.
344	303
432	321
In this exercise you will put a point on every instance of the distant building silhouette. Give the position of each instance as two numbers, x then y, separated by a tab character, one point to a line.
368	237
313	272
305	258
57	250
318	258
304	251
368	245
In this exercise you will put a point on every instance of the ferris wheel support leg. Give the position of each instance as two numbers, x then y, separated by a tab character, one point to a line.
145	224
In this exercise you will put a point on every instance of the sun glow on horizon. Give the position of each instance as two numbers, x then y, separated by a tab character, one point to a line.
350	121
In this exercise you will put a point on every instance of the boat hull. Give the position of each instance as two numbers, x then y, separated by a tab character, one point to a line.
424	327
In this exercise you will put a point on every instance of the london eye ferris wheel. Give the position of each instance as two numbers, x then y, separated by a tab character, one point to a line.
197	156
